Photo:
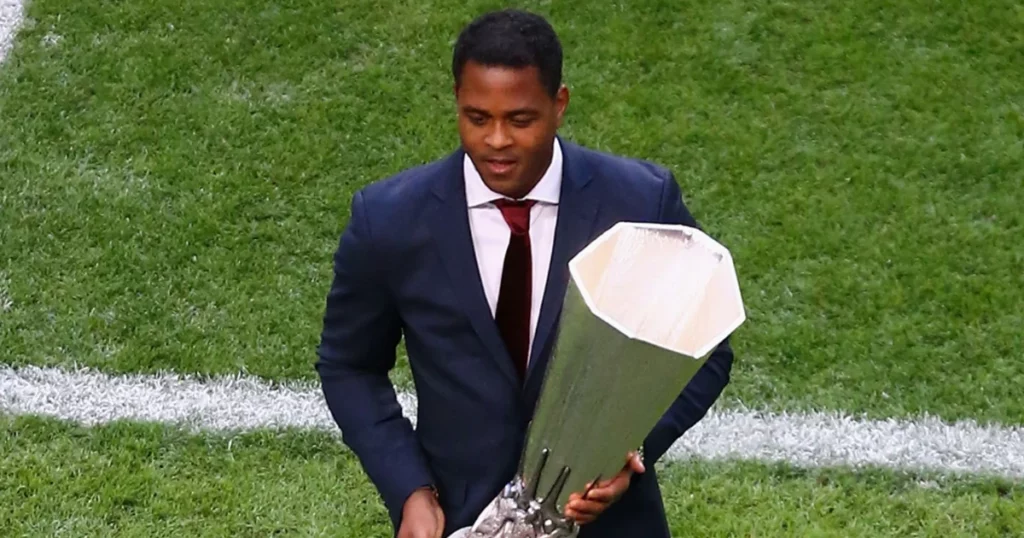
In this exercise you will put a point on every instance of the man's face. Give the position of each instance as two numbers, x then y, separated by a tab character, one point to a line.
507	123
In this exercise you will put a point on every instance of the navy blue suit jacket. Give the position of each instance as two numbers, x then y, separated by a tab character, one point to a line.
405	265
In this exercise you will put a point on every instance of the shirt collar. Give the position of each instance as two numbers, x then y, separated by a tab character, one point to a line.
545	191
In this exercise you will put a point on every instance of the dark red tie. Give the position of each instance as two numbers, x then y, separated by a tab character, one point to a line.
513	312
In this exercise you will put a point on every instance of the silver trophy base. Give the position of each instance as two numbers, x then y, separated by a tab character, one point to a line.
516	514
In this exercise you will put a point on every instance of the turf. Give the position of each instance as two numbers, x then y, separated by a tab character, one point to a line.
175	176
145	480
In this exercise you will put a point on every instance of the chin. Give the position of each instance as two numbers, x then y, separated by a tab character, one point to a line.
506	186
512	192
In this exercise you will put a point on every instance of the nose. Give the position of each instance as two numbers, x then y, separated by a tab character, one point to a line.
498	137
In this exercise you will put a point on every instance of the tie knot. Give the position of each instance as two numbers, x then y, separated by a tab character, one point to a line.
516	213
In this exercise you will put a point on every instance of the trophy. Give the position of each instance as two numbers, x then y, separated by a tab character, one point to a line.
644	307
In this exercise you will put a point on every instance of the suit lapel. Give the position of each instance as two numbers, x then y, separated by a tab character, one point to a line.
448	219
577	209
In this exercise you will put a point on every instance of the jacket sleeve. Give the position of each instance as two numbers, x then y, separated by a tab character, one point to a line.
703	390
361	329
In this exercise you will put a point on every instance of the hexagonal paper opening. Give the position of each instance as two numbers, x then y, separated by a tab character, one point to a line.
669	285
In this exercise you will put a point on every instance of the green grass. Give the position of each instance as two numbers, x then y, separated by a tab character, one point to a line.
175	176
145	480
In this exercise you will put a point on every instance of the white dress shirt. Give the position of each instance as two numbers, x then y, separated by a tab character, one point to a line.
491	233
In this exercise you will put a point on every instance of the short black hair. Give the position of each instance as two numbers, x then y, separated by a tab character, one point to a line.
511	38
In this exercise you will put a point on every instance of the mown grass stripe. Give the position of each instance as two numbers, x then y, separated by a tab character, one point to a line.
245	403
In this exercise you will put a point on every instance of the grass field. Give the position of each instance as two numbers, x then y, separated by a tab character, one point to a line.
174	177
140	480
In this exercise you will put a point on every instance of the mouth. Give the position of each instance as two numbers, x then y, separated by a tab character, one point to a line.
500	167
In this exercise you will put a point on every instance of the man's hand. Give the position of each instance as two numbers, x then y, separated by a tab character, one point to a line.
422	516
584	507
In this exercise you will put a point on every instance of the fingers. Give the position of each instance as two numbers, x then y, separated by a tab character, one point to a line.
635	464
598	500
606	492
589	507
579	517
603	494
584	512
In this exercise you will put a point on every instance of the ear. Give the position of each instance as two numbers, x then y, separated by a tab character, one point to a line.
561	103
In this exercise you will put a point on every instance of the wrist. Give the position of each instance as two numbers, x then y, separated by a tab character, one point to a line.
422	495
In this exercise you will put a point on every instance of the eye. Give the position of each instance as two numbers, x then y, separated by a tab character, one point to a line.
522	121
476	119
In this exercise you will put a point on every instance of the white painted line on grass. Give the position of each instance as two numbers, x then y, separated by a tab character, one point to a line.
832	439
245	403
11	13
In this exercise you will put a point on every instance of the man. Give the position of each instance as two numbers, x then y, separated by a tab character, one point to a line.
467	257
